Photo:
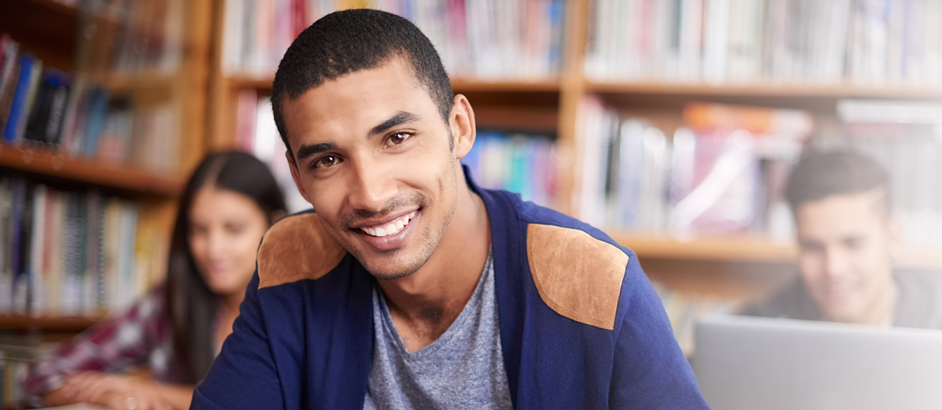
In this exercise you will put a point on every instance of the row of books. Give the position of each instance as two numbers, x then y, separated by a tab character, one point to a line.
685	309
257	134
906	138
129	36
45	107
488	39
730	41
68	253
721	172
518	163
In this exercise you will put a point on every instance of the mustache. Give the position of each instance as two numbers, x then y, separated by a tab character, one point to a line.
416	200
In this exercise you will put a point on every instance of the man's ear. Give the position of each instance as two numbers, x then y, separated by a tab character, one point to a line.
463	127
293	166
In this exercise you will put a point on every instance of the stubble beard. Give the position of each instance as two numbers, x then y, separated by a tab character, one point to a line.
433	239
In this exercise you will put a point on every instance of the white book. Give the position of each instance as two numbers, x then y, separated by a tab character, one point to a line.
691	30
716	41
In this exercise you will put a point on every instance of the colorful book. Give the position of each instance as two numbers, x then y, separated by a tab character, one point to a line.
19	105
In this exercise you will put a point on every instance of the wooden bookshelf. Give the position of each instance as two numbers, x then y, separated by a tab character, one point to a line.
58	323
262	84
65	38
121	177
45	27
148	81
550	105
461	85
745	248
719	248
770	89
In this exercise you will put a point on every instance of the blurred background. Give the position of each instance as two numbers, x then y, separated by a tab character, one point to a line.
670	124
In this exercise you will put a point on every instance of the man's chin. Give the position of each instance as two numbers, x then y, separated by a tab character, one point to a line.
842	313
391	267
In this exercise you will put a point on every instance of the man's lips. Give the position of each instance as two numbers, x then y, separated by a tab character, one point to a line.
387	228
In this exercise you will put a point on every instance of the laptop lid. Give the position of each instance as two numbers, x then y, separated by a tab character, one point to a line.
760	363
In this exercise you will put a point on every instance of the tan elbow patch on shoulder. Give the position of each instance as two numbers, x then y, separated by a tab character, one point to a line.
576	275
297	247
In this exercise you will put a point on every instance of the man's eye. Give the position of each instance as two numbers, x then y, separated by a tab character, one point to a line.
397	138
327	161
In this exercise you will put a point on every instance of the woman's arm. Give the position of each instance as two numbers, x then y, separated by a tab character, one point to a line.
114	344
121	392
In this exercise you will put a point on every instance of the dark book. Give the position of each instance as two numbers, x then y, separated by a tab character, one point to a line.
45	120
22	276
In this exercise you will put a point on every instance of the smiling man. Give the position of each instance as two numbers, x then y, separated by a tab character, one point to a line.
847	237
410	287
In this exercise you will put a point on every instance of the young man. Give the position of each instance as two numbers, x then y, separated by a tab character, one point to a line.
413	288
846	241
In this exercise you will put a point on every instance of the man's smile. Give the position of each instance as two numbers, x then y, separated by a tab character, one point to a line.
389	228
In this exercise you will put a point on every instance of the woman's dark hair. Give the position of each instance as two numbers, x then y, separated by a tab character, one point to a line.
191	304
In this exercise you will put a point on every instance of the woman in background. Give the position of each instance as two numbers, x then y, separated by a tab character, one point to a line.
179	326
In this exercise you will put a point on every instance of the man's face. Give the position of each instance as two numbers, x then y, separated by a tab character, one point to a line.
373	158
845	243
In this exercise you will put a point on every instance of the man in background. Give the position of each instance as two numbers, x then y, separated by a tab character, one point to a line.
847	238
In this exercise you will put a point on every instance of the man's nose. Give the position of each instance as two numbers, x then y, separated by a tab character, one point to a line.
373	187
836	262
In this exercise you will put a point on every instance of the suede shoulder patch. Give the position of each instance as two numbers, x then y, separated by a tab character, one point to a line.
297	247
576	275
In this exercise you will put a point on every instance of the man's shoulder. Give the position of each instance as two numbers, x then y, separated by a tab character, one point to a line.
295	248
577	269
920	299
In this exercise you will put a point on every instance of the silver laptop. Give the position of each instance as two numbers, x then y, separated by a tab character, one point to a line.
745	363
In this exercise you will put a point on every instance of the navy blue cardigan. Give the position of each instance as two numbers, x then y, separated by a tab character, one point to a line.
580	325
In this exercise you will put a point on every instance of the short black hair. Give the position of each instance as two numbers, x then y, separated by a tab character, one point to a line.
819	175
347	41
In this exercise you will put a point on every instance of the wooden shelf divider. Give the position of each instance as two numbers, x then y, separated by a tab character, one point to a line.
745	248
769	89
123	177
70	323
713	248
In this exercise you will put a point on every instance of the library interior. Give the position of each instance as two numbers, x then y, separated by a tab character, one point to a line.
679	128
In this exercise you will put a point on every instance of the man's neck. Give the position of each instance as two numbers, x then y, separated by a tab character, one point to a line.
423	305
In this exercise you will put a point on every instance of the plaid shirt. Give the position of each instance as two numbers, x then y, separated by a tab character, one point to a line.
142	335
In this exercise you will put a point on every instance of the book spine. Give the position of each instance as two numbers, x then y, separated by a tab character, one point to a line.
18	103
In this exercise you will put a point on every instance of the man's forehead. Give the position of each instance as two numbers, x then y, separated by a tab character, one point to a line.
357	102
840	217
847	205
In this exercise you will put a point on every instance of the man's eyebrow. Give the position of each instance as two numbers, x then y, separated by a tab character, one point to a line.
306	151
398	119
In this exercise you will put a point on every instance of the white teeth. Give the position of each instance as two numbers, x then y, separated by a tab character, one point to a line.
391	228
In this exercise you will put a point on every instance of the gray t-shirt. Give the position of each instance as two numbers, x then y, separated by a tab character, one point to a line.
462	369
